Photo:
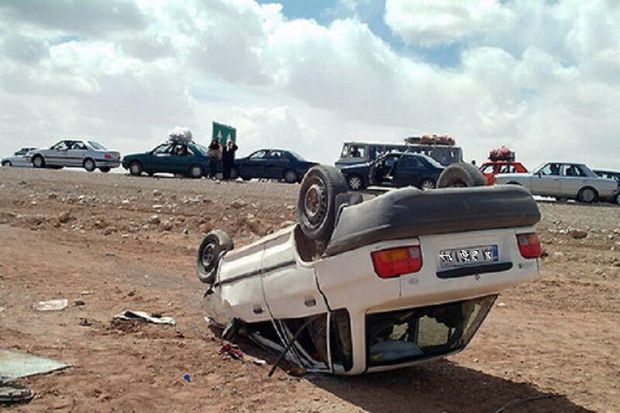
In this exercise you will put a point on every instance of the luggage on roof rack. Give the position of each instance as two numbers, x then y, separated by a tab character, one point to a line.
502	154
179	134
431	140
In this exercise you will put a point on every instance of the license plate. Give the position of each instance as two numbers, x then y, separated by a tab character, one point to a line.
468	256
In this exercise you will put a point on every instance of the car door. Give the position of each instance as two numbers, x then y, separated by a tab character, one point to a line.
76	154
254	165
180	158
57	154
159	159
409	170
547	180
275	162
572	180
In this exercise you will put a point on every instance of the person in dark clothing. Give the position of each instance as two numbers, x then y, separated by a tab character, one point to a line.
228	158
214	153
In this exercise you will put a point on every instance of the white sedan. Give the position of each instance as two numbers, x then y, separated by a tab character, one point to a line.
76	153
19	158
563	181
358	287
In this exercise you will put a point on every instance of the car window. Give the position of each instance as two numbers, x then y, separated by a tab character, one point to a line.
410	162
61	146
550	169
97	145
355	151
486	169
297	156
258	155
180	149
200	149
162	149
275	155
78	146
572	170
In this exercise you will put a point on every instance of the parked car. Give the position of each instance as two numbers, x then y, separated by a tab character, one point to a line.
89	155
394	169
491	169
19	158
366	286
615	175
563	181
273	164
175	156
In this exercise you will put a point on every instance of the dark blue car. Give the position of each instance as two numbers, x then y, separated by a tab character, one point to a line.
273	164
395	169
175	157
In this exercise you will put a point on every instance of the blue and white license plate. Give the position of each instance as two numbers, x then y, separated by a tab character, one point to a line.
467	256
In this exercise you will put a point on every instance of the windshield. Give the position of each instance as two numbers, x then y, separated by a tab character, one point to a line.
97	145
407	335
431	161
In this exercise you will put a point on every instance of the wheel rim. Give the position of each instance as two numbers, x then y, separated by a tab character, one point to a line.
290	176
89	165
135	169
196	172
587	195
38	162
315	203
355	182
209	254
618	199
426	185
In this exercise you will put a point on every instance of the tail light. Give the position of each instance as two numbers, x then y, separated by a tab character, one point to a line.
529	245
393	262
107	156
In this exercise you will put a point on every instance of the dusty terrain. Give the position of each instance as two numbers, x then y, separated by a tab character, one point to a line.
94	239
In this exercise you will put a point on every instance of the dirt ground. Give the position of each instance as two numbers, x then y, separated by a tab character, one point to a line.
112	242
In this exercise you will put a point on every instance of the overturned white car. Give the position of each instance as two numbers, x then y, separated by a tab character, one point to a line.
358	287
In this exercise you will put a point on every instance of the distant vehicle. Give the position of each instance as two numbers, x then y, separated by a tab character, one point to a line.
491	169
395	169
180	157
615	175
441	149
357	286
89	155
273	164
563	181
19	159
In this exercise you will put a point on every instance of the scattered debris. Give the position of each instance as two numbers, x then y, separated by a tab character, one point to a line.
84	322
230	350
14	364
156	193
187	377
65	217
87	292
154	220
578	234
78	303
238	203
12	393
130	315
259	362
52	305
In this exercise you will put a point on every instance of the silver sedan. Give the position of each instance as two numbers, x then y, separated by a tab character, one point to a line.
563	181
19	158
76	153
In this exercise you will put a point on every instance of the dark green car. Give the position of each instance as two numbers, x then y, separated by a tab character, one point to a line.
181	158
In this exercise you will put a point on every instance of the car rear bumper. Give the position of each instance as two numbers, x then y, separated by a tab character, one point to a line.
109	163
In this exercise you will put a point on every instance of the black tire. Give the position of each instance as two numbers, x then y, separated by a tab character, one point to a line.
234	173
196	172
245	178
587	195
135	168
290	176
212	248
618	199
38	161
355	182
7	163
459	175
316	205
105	169
427	184
89	165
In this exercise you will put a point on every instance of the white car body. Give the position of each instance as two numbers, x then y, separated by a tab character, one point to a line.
20	159
76	153
561	183
270	282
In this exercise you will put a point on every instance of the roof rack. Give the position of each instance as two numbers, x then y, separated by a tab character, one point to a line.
443	140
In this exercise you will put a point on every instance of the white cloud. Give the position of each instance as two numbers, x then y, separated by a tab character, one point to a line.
540	77
432	22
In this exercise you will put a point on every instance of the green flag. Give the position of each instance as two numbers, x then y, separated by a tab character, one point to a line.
223	132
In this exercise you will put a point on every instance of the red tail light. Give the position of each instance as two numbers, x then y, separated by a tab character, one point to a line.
107	156
397	261
529	245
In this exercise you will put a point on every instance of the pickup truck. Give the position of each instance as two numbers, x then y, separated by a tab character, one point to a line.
364	286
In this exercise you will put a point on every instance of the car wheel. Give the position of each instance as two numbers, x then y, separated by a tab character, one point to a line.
587	195
195	171
427	184
355	182
290	176
105	169
316	205
618	199
460	175
135	168
7	163
234	173
245	178
89	165
213	247
38	162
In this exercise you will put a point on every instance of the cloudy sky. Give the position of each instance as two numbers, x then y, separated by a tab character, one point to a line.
540	76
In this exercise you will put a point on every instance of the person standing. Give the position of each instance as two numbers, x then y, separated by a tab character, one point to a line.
228	158
214	154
